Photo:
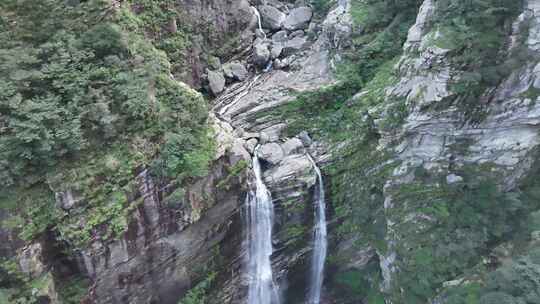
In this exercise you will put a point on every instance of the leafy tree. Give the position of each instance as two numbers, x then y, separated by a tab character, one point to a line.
79	83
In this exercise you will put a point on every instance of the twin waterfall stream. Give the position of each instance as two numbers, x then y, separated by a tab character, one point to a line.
259	221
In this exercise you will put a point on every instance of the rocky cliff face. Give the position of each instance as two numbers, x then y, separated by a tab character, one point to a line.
412	163
153	263
505	140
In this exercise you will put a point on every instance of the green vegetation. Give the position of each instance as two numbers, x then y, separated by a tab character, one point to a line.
199	293
446	230
368	66
159	22
321	7
17	288
443	231
475	33
73	290
233	172
207	271
86	103
356	286
516	281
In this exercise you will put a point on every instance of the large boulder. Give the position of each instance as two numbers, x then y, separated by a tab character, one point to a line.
272	153
298	18
294	45
276	50
280	37
216	81
235	70
292	146
261	54
295	169
278	41
271	17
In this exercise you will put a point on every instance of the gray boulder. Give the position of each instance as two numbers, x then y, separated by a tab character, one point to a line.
261	54
294	45
292	146
276	50
66	200
31	260
214	62
271	153
280	63
272	18
280	37
278	41
298	18
292	169
452	179
235	70
297	33
216	81
305	138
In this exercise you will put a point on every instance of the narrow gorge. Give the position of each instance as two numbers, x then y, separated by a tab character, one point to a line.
269	152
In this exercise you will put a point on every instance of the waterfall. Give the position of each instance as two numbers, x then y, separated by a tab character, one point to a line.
260	217
320	241
256	11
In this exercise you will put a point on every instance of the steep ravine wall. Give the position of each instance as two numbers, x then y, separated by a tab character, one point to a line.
440	157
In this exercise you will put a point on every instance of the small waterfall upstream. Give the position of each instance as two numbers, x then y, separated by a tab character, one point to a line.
320	242
256	11
268	67
260	218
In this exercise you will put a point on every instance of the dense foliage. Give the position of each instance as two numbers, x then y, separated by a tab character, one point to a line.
446	229
381	30
475	33
199	293
86	103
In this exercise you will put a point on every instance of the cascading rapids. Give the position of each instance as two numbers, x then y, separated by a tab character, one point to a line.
260	217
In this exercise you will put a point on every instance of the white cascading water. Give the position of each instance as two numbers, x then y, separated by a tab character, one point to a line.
260	217
320	242
256	11
268	67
